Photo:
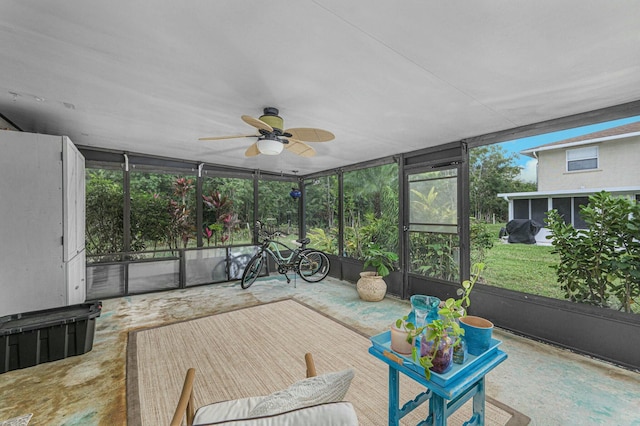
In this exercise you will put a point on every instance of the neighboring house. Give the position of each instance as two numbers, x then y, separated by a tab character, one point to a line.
570	170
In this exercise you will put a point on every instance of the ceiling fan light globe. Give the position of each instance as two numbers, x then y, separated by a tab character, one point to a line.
270	146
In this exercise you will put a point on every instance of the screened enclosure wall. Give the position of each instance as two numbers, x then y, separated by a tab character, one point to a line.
104	224
154	226
322	212
163	211
434	243
277	209
227	211
370	210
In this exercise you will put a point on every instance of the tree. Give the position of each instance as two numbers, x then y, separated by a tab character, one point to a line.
321	202
276	207
491	171
104	219
371	208
150	221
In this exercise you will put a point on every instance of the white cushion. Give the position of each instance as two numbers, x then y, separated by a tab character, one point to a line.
315	400
330	387
226	410
330	414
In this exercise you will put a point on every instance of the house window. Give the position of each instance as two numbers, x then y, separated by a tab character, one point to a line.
582	159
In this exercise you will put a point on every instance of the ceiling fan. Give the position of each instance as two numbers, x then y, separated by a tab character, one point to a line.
272	138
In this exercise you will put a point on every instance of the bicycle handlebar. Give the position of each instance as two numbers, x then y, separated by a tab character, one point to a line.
266	235
271	236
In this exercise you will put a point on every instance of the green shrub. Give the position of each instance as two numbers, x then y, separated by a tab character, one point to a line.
322	241
601	262
104	218
481	240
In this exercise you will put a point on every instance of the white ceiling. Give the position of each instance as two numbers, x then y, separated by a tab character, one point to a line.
384	76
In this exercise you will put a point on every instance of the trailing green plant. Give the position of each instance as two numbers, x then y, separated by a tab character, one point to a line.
602	261
410	328
382	260
436	331
467	286
447	328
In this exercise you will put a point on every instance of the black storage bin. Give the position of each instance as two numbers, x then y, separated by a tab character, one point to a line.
31	338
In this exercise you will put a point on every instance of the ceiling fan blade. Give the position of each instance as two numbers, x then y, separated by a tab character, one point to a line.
258	124
252	151
310	134
300	148
216	138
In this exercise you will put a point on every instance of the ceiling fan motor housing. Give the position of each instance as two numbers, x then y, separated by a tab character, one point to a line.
272	118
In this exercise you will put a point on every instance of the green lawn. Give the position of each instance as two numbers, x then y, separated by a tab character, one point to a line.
527	268
523	267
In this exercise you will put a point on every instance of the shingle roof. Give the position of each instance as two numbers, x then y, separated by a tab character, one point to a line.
607	133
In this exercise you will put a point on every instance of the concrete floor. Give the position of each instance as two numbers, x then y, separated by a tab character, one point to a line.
551	386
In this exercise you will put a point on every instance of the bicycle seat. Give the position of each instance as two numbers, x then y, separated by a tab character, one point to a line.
303	241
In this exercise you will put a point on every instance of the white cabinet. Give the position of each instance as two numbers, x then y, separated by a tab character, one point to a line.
42	214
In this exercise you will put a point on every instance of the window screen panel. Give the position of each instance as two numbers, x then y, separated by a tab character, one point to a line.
563	205
578	222
539	208
521	209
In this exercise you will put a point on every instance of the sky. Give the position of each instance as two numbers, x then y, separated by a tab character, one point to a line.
528	164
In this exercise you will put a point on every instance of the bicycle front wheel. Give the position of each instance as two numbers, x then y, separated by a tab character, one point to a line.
251	271
313	266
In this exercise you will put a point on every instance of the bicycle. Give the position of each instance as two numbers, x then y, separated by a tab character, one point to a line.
312	265
231	268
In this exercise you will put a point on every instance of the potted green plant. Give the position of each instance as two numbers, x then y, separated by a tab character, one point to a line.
403	336
477	330
371	285
463	302
441	337
383	261
444	334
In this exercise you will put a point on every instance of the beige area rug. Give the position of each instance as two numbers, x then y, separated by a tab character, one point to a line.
259	350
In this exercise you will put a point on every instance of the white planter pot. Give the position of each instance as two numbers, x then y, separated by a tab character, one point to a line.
371	287
399	341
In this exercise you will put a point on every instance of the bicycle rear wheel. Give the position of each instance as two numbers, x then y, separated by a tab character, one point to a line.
251	271
313	266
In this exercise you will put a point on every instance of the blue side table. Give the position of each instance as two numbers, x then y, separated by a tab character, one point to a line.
445	392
